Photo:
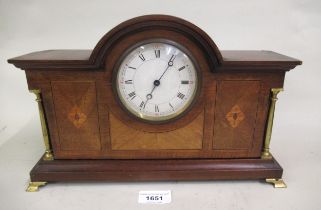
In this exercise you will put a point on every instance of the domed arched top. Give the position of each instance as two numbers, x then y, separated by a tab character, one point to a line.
95	59
150	22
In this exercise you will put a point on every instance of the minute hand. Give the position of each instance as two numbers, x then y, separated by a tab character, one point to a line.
157	82
169	64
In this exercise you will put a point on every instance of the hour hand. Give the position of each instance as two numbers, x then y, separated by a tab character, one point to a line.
149	96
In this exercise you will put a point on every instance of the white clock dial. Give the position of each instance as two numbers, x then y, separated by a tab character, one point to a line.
156	81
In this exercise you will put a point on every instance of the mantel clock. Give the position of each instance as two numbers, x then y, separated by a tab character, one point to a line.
155	100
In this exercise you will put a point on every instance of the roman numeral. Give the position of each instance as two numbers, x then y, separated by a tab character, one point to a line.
171	106
132	95
156	108
141	56
180	95
129	81
184	82
142	104
157	53
180	69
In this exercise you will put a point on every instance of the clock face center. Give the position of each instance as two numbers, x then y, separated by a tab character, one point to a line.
148	82
156	81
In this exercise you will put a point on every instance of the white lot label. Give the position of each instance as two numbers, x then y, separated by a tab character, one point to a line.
156	197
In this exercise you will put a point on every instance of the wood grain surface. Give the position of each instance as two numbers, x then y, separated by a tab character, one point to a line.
93	137
154	170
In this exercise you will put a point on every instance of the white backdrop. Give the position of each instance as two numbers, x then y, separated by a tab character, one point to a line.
290	27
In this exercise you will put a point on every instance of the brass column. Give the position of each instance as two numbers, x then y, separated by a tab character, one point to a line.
48	153
266	149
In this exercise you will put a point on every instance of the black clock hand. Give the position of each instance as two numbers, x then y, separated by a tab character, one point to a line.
169	64
157	82
149	95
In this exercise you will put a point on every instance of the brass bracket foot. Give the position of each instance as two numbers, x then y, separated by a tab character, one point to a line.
48	155
266	155
34	186
278	183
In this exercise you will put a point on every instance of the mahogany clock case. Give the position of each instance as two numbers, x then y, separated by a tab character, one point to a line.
220	136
